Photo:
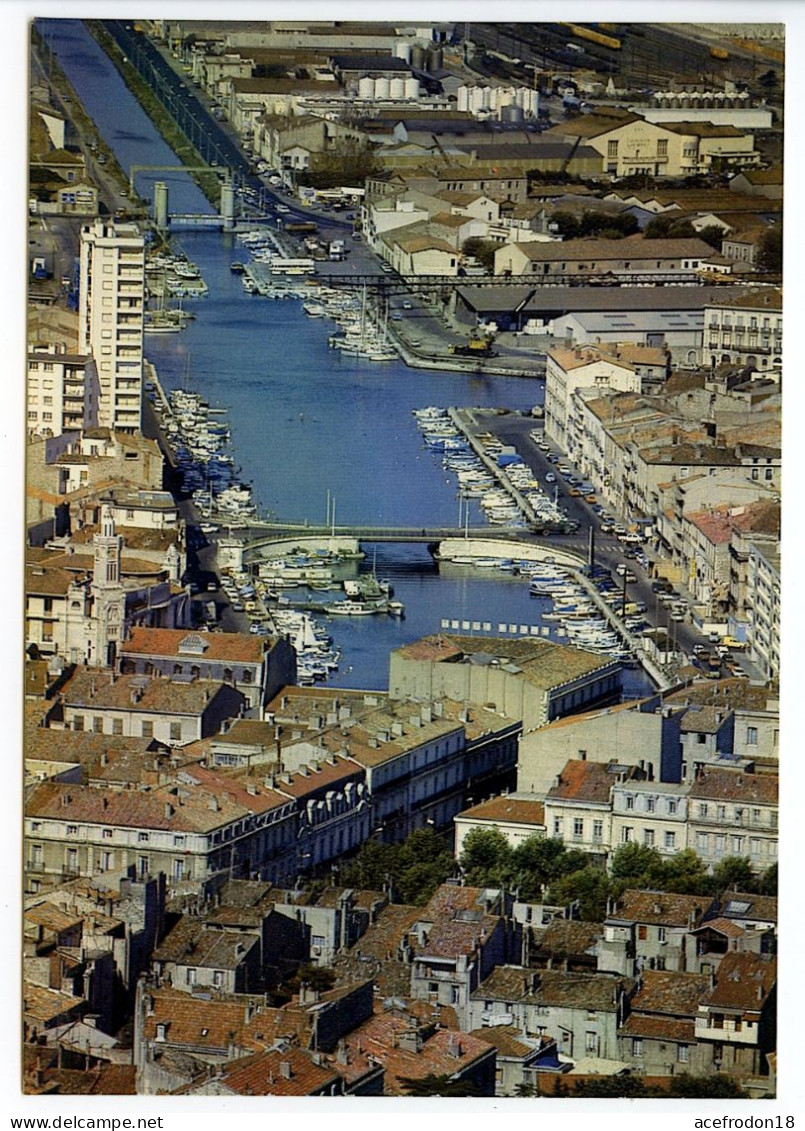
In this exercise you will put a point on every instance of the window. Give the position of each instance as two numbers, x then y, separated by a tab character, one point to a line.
578	827
107	834
72	830
642	931
598	831
629	801
661	935
190	976
178	841
97	725
670	840
682	1054
433	987
455	995
142	837
637	1046
627	834
107	861
117	726
175	732
662	147
651	804
701	739
672	806
217	977
703	810
147	728
612	150
557	826
590	1042
751	736
648	838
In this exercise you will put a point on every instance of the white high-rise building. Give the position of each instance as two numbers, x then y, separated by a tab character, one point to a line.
110	312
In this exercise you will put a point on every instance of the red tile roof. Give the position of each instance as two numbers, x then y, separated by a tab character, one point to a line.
233	647
292	1072
660	908
590	782
502	810
743	981
440	1052
735	785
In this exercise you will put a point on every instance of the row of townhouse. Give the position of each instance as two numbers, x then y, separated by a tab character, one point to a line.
723	813
249	796
669	739
658	975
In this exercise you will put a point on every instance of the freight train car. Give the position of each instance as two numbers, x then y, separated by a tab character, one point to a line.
582	32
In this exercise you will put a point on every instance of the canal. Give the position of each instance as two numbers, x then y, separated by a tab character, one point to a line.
308	423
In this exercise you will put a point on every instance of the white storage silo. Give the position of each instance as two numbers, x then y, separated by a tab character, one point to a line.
463	99
412	89
382	88
366	88
397	89
402	50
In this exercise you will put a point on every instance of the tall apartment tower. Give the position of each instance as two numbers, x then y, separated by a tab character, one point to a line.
110	318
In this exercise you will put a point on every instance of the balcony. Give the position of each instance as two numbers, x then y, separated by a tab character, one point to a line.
733	1031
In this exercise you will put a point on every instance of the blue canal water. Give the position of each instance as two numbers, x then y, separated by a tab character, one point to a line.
307	423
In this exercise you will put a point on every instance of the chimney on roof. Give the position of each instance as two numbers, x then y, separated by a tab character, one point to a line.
168	810
104	759
65	799
760	992
285	1069
105	802
213	803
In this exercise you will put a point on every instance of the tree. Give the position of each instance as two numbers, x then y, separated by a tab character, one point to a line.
770	253
734	872
347	163
442	1085
538	860
668	228
588	887
684	873
611	1087
715	1087
712	234
482	250
768	881
635	865
566	224
485	856
414	869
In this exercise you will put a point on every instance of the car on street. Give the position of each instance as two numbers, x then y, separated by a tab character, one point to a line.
406	304
550	477
283	208
553	458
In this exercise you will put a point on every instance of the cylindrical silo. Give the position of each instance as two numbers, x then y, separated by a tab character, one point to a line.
366	88
434	59
160	204
476	99
397	89
418	57
382	88
511	113
402	50
412	89
463	95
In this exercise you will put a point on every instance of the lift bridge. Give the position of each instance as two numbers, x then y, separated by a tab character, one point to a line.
164	219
